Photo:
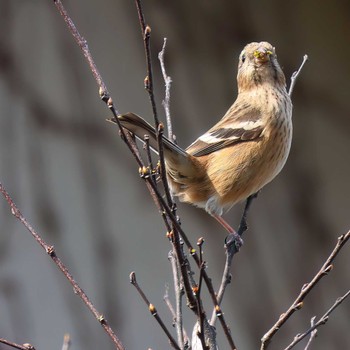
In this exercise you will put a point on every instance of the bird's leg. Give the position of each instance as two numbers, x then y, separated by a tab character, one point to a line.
233	236
243	224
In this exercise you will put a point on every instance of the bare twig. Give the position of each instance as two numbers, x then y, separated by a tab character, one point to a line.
319	323
153	311
177	315
146	34
197	293
166	101
296	74
166	297
306	289
83	46
25	346
66	342
49	249
312	334
230	251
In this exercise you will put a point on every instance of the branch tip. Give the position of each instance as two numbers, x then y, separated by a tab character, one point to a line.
148	30
133	278
328	269
200	241
146	83
110	102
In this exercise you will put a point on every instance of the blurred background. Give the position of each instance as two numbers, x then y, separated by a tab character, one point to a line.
75	181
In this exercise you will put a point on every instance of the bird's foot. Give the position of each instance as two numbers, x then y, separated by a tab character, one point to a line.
234	239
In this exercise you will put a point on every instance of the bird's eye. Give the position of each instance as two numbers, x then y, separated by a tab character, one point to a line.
243	57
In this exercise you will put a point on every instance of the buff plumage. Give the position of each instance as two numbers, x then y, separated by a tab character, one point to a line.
245	150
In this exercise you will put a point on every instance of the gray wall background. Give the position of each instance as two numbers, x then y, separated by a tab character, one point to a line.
74	180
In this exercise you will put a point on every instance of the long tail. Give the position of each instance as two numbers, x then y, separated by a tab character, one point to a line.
139	127
182	168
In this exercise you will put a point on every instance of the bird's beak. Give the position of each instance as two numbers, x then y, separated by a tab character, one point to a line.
262	55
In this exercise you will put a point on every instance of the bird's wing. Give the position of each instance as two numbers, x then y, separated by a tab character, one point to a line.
241	123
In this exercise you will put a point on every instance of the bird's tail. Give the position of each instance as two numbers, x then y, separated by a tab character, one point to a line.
182	168
139	127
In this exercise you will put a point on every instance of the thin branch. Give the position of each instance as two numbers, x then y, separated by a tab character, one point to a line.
177	315
296	74
153	311
83	46
49	249
66	342
323	320
230	251
197	292
166	297
146	34
306	289
103	91
25	346
166	101
312	334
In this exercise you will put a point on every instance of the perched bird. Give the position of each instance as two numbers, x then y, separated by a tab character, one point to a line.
244	151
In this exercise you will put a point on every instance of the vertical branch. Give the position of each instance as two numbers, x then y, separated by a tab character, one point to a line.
178	298
166	101
197	292
146	35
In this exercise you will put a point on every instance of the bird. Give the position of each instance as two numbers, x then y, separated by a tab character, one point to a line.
243	151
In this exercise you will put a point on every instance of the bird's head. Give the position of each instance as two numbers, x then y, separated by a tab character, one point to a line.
258	65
